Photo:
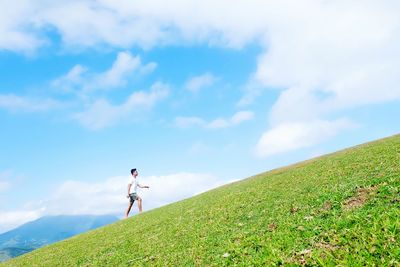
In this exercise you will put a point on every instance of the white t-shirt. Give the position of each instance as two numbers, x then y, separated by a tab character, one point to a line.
134	184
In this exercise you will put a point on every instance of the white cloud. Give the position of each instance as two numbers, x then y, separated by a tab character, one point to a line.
119	72
183	185
328	57
125	24
95	23
8	179
186	122
109	196
218	124
79	79
9	219
15	33
236	119
333	55
76	197
252	89
4	185
12	219
336	46
101	113
16	103
295	135
70	81
115	76
241	116
195	84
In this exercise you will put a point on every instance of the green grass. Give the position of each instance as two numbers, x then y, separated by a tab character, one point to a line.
340	209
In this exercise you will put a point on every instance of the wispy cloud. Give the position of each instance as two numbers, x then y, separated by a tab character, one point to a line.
14	33
251	90
287	137
329	56
109	196
219	123
186	122
4	185
324	49
197	83
72	81
80	80
127	24
15	103
241	116
12	219
101	113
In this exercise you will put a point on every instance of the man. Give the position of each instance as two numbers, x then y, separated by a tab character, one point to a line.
132	192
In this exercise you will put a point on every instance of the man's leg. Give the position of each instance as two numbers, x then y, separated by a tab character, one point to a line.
140	204
129	209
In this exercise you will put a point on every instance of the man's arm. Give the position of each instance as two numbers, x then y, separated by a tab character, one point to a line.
129	189
143	186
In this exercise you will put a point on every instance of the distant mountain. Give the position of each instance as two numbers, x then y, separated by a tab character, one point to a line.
47	230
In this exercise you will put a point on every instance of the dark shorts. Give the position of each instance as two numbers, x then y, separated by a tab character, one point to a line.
133	197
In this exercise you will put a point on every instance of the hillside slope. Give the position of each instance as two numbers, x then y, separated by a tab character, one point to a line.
47	230
339	209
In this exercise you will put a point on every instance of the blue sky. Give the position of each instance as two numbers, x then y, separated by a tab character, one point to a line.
194	95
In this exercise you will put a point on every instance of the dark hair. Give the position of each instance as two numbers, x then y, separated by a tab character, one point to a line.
133	170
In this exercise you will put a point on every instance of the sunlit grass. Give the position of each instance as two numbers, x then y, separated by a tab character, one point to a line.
340	209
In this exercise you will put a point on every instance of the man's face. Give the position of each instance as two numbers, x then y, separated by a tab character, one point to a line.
135	173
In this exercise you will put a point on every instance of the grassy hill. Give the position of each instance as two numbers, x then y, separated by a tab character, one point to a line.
10	252
47	230
339	209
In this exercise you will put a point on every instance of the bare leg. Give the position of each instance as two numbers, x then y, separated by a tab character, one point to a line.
140	204
128	210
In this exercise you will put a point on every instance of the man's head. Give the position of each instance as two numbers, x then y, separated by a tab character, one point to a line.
134	172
